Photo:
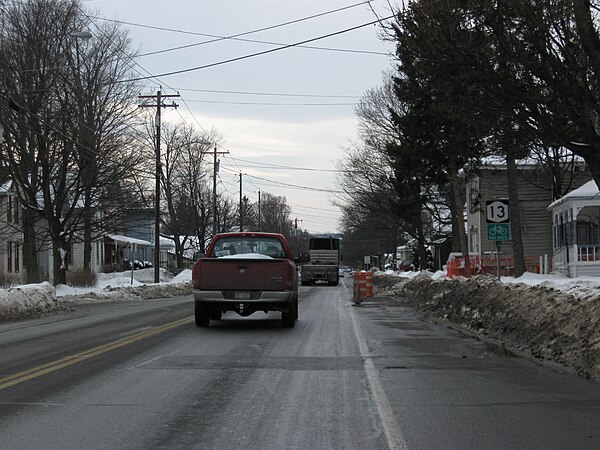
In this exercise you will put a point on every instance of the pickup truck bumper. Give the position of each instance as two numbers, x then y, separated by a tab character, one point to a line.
219	301
231	297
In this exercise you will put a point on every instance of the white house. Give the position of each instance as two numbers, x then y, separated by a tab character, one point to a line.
576	231
11	236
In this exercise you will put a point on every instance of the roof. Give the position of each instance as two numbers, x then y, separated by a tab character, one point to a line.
588	191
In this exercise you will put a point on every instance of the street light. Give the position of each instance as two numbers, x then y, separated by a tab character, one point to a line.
85	35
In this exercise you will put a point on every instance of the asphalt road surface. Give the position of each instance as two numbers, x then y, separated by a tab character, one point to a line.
142	375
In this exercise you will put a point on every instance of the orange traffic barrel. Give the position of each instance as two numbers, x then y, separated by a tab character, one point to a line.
360	286
368	284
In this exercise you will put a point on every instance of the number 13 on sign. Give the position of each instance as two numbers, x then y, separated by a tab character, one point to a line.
497	211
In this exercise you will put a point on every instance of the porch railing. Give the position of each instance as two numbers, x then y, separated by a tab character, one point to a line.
588	253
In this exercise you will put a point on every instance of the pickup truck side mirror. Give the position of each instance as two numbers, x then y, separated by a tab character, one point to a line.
198	255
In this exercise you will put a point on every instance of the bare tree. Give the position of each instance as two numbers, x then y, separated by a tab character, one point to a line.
184	181
102	106
274	213
64	123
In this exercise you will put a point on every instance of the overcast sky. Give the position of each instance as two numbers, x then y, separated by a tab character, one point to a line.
292	107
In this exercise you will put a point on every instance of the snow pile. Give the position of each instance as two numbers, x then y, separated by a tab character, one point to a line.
119	287
547	317
28	300
33	300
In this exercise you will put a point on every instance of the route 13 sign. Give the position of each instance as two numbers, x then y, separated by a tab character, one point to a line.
497	218
497	211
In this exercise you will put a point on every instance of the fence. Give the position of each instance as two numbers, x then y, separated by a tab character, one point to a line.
478	265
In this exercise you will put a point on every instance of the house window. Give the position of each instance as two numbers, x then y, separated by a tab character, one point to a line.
9	210
16	212
9	255
69	257
17	262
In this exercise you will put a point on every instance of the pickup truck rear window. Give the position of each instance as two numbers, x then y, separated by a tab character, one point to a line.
248	246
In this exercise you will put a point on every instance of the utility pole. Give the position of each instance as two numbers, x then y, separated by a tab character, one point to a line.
158	105
214	199
259	226
241	206
214	202
296	234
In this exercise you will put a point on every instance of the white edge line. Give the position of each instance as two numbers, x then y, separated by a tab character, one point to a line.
393	433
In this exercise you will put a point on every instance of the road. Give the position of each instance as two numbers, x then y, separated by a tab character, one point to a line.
141	375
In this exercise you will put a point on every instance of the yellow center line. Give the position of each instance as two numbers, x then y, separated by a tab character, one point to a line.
17	378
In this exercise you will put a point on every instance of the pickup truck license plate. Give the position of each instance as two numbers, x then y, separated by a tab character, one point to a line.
242	295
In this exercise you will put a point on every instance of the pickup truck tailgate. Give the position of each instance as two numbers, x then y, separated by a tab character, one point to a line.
243	275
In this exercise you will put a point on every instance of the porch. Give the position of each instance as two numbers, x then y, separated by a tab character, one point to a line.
576	232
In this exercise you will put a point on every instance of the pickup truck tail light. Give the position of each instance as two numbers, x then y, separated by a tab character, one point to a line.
289	274
196	275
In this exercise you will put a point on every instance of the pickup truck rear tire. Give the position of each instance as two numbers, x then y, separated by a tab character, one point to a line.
201	315
288	319
215	314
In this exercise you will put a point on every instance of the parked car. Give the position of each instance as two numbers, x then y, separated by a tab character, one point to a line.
137	264
406	265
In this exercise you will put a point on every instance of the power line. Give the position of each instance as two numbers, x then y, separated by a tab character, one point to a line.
218	102
264	52
217	38
256	41
245	33
309	207
278	94
278	166
295	186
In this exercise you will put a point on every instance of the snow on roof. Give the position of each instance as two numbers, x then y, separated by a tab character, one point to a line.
166	243
129	240
5	187
588	190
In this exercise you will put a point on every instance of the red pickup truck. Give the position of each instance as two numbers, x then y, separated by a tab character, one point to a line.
245	272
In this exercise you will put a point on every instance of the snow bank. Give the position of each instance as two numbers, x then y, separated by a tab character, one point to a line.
27	300
114	287
33	300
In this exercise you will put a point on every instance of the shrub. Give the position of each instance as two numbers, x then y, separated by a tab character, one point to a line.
8	281
82	279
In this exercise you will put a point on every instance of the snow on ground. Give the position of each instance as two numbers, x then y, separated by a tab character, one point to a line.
37	299
109	281
580	287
